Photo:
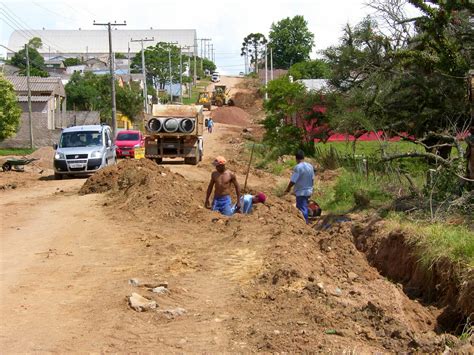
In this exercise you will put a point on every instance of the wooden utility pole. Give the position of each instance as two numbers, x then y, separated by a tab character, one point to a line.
32	144
112	72
145	93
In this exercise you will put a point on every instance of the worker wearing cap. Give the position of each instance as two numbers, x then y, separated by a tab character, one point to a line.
222	179
247	201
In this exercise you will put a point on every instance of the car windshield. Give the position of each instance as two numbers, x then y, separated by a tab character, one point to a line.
127	137
80	139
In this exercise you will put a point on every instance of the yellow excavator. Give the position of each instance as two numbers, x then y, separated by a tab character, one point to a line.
221	97
204	99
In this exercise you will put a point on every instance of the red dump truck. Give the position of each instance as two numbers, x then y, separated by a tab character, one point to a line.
174	131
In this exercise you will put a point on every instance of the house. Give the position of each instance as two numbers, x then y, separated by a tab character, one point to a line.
47	96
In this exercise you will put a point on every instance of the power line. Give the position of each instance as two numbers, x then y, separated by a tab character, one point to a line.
54	12
23	26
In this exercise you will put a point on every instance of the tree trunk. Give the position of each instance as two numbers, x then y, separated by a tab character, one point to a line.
470	156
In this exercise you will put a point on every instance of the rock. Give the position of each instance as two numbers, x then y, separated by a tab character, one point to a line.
160	290
156	284
336	292
352	276
140	303
173	312
276	332
134	282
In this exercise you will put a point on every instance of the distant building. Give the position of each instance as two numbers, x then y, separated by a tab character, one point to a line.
47	96
87	44
316	84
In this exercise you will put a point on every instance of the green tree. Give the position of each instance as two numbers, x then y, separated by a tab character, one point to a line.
130	100
157	64
281	130
35	43
254	47
69	62
36	62
313	69
10	112
119	55
291	41
82	92
92	92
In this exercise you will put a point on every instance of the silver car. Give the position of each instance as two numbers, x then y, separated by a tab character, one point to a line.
83	150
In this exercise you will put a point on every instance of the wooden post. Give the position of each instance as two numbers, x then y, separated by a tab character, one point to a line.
248	168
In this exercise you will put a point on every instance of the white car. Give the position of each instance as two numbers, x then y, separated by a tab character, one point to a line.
83	150
215	78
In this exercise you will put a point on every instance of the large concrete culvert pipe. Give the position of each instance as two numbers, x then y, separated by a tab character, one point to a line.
171	125
186	125
154	125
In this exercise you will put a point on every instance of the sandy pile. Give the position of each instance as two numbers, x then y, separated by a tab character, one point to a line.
231	115
45	156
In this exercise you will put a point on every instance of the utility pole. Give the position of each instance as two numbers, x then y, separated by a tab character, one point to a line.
203	47
32	145
171	77
266	72
112	72
180	74
271	63
145	89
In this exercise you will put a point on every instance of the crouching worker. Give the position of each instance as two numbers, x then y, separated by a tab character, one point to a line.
222	179
247	201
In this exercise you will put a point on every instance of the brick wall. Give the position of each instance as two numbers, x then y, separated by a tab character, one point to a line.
43	136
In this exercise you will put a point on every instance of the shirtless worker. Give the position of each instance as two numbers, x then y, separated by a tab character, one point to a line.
222	179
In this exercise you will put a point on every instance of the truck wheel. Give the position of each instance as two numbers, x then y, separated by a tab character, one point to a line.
58	176
191	161
159	160
231	102
219	103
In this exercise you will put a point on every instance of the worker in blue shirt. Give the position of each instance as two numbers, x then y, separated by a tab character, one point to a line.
303	180
247	201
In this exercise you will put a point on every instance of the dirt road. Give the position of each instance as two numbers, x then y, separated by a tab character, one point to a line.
264	282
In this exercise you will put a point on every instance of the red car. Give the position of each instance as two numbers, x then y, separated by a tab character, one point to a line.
126	142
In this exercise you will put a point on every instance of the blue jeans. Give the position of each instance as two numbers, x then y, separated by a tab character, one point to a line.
302	205
223	204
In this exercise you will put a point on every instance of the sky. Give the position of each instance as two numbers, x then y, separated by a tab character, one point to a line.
226	22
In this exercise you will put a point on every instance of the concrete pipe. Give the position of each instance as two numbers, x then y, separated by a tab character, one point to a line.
154	125
171	125
186	125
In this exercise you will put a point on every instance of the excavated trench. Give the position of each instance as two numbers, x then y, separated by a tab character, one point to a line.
443	284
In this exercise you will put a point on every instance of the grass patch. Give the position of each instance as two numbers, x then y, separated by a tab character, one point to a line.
16	151
370	148
201	86
439	240
353	190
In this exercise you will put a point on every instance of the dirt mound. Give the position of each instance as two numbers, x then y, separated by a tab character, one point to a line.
45	156
396	256
316	291
244	99
145	188
231	115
